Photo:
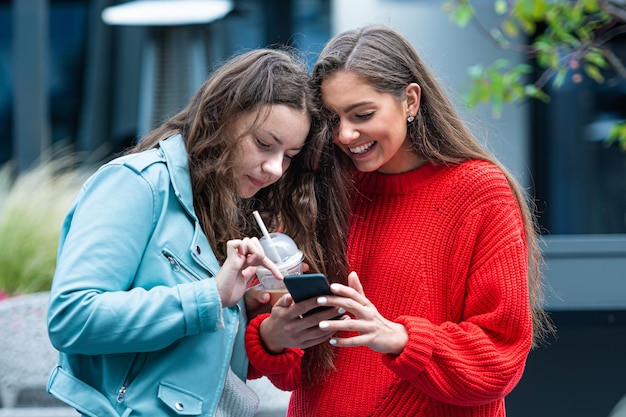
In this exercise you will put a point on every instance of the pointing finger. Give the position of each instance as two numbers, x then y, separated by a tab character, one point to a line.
269	264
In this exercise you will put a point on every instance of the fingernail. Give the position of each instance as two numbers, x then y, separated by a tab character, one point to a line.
334	286
333	341
321	300
341	310
324	325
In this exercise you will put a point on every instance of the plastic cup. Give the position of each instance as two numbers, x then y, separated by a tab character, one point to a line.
289	263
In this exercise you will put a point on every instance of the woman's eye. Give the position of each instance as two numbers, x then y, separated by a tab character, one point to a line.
262	144
365	116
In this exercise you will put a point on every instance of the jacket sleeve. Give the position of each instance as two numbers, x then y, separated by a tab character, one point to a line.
481	357
94	306
283	369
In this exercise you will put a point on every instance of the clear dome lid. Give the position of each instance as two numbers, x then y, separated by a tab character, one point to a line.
282	249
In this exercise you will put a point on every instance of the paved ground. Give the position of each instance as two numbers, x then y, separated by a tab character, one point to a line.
273	401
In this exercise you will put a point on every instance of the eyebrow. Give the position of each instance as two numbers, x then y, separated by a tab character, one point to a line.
355	105
276	138
280	142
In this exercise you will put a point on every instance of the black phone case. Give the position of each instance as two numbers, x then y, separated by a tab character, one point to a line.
305	286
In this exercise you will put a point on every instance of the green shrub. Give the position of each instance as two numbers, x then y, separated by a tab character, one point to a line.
32	208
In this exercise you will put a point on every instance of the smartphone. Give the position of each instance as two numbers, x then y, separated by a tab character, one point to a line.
305	286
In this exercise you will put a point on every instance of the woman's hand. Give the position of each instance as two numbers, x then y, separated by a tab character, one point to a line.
242	258
257	301
289	327
257	298
374	331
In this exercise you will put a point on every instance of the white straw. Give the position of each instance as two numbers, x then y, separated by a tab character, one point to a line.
259	220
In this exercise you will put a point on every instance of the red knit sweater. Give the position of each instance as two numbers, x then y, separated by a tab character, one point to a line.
442	251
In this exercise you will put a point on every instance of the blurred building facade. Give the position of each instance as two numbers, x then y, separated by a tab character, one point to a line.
95	87
95	78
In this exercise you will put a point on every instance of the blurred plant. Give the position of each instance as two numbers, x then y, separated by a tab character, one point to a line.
32	208
565	37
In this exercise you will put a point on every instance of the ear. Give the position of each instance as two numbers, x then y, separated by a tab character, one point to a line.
413	96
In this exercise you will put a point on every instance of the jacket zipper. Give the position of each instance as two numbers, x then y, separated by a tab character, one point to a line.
178	266
133	371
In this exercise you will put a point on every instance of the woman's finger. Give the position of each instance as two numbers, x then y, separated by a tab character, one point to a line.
269	264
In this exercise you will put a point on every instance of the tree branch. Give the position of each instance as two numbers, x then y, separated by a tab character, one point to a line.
615	8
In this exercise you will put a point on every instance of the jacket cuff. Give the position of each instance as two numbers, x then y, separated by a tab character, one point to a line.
201	305
265	362
418	351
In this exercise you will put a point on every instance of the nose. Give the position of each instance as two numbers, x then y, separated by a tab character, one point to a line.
346	133
273	166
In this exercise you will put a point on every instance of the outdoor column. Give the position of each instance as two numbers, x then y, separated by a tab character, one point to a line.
31	118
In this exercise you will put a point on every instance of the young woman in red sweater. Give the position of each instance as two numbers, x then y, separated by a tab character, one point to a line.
443	304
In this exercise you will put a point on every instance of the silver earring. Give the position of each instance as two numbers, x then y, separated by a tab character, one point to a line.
410	119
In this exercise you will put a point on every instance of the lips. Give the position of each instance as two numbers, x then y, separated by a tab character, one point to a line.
256	182
361	149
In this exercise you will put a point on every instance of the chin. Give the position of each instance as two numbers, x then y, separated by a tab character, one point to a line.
365	167
246	192
247	195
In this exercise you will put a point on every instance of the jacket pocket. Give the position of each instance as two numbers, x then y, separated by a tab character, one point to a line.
79	395
179	266
183	402
135	367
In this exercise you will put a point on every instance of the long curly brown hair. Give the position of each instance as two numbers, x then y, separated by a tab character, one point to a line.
308	202
388	62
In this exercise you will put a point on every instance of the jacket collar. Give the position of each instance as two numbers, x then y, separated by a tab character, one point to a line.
175	153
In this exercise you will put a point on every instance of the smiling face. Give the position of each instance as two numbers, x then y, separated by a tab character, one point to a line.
267	148
371	126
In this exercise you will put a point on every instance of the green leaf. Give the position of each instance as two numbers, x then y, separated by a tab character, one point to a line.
596	59
499	64
475	71
534	92
462	14
553	58
590	6
593	72
560	77
528	25
618	135
520	70
501	7
510	28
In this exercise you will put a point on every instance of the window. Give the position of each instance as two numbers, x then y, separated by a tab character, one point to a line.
65	70
581	182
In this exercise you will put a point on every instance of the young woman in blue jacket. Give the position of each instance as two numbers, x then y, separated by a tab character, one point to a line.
155	256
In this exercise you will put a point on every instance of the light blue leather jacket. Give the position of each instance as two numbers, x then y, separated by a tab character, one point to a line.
134	308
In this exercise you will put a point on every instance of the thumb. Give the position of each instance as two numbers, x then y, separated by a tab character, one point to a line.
259	294
355	283
284	301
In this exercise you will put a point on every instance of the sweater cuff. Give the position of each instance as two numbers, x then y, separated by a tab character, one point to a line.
264	361
418	350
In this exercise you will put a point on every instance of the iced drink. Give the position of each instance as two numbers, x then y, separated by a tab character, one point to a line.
276	295
284	252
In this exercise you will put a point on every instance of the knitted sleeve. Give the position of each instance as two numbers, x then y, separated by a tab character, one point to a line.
480	357
283	369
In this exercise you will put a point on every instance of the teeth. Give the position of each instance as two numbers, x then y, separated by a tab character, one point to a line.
362	148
